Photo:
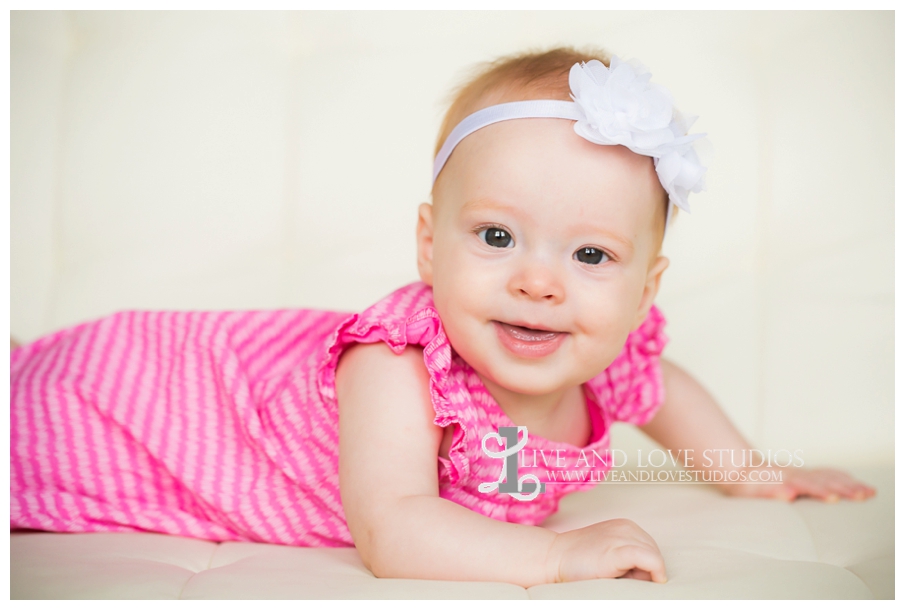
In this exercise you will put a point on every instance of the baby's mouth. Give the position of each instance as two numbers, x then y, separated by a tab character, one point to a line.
528	342
524	333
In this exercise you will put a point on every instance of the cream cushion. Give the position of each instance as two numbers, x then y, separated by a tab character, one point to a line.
714	547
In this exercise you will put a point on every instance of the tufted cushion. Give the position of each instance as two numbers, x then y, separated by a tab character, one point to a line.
714	546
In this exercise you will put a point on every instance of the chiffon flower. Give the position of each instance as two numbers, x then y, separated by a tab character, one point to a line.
622	107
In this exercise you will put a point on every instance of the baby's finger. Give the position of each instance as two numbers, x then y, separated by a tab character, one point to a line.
777	491
827	485
644	558
786	493
863	492
842	488
812	487
637	574
852	489
847	486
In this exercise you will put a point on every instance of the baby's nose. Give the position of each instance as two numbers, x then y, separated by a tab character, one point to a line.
537	281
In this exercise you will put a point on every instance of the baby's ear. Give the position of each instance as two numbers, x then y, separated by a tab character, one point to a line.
425	237
651	287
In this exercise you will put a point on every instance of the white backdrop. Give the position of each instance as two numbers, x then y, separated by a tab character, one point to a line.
264	160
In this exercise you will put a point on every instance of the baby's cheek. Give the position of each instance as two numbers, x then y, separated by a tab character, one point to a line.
605	355
602	344
462	284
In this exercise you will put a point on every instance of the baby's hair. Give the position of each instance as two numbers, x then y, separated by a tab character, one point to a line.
532	75
535	75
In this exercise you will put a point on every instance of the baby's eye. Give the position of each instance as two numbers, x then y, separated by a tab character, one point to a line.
496	237
590	256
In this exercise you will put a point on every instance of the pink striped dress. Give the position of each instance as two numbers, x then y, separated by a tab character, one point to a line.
224	425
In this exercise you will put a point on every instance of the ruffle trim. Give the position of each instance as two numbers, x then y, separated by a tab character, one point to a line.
422	327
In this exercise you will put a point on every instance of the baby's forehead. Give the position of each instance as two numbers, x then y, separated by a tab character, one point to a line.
531	153
541	169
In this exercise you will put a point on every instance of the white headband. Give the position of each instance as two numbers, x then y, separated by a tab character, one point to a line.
615	105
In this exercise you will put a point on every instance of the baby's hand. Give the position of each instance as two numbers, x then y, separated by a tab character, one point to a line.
609	549
824	484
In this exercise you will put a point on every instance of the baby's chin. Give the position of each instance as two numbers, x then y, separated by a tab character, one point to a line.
529	380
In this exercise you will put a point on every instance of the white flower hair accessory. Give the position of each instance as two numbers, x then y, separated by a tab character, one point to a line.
612	106
622	106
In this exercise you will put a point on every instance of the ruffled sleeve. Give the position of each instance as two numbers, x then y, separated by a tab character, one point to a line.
631	388
406	317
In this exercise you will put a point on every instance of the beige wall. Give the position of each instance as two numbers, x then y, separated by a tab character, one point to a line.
259	160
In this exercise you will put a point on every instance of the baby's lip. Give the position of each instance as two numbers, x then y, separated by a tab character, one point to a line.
538	332
530	326
529	341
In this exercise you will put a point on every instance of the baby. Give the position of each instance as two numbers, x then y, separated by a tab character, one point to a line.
540	260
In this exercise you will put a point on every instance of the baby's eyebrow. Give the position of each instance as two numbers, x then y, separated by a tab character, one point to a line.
483	203
592	228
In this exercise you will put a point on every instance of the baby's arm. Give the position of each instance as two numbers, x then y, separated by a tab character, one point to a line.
403	529
691	419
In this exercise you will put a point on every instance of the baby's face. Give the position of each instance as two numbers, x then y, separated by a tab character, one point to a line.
542	250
